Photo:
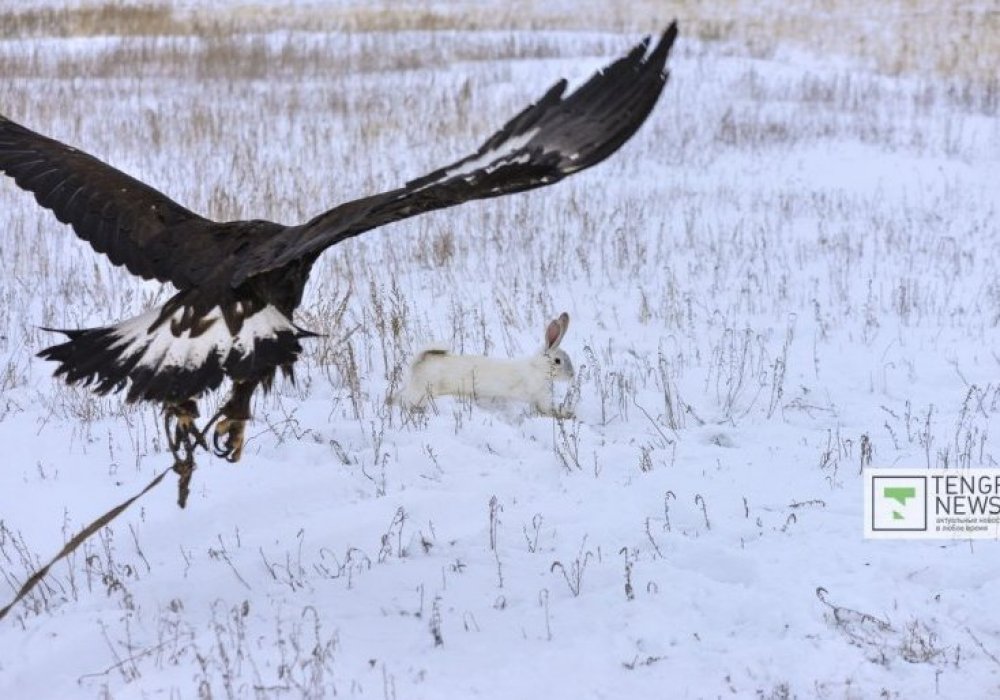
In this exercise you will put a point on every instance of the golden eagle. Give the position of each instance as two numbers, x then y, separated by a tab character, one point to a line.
239	282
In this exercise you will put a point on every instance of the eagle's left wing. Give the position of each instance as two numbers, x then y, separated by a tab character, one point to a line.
554	137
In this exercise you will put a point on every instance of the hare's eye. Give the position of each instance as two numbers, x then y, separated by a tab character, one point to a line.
558	360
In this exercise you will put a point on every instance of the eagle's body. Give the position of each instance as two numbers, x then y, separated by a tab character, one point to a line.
240	282
196	339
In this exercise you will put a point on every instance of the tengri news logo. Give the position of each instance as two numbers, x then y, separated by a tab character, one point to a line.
932	503
899	503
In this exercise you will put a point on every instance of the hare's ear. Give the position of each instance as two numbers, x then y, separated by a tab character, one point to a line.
556	330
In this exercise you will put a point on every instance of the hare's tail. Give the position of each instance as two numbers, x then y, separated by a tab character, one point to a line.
412	391
426	353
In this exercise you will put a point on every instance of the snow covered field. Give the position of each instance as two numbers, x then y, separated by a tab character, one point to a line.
788	274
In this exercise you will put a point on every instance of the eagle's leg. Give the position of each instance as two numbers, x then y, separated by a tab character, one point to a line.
179	423
231	427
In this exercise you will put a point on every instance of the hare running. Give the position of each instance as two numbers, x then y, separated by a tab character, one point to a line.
437	372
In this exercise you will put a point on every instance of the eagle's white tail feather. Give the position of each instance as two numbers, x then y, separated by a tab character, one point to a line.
161	362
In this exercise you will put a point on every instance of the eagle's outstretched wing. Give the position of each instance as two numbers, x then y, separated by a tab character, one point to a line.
129	221
157	238
555	137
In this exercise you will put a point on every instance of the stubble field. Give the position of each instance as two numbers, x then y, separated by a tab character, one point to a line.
788	274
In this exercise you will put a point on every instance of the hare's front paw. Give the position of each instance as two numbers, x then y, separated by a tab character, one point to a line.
557	412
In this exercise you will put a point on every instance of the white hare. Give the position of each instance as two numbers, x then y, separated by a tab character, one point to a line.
437	372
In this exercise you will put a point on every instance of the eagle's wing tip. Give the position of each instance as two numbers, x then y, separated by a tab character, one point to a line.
668	37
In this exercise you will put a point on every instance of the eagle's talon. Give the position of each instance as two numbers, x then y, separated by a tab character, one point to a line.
229	438
180	427
216	444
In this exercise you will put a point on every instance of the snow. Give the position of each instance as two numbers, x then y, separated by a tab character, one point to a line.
794	258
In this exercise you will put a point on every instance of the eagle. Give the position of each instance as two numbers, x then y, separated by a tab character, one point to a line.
238	283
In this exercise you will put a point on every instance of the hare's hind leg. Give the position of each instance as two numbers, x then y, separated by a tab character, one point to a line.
547	407
412	396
